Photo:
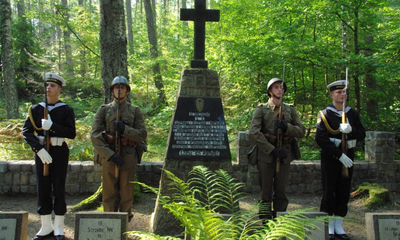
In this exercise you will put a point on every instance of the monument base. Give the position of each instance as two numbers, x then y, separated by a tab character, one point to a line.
197	137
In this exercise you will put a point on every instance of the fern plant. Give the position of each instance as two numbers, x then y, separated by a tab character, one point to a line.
200	202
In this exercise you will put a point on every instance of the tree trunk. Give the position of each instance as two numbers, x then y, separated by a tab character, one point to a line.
357	103
10	86
372	103
68	64
128	7
152	35
82	56
112	43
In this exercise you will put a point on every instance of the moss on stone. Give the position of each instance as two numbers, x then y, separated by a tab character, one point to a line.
375	195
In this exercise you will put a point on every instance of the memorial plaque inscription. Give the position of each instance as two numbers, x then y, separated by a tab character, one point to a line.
389	228
382	226
101	225
198	130
7	229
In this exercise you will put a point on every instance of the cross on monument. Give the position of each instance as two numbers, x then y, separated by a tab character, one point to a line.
199	15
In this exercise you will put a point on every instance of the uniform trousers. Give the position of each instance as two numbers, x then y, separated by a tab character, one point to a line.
336	188
53	183
273	185
118	193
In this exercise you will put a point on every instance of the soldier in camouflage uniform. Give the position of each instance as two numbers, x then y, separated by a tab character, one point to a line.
118	165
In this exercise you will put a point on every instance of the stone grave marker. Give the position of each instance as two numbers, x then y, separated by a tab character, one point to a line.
13	225
321	233
101	225
382	226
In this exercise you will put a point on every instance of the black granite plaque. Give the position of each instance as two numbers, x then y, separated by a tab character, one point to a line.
198	130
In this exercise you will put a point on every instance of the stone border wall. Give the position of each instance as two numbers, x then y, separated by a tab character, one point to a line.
305	177
84	177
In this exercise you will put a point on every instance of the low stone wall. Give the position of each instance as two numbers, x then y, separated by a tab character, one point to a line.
305	177
84	177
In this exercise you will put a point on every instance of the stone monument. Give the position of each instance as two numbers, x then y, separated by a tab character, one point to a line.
198	133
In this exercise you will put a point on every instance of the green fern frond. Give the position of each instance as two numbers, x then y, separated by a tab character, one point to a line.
292	226
197	206
202	180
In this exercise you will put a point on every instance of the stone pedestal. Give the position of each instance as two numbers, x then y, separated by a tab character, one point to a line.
197	137
380	146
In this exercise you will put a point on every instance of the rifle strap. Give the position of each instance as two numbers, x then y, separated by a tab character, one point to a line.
332	131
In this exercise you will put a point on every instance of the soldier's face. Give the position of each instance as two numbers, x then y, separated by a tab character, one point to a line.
123	91
338	95
277	89
52	89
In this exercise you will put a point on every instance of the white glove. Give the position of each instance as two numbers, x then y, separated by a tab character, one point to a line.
345	128
46	123
44	156
347	162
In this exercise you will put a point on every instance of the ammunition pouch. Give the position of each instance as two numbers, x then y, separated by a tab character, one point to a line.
272	139
110	139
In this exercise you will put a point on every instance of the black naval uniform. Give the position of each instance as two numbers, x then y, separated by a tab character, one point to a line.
63	126
336	188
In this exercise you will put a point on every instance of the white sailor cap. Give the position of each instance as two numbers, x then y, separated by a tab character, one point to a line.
339	84
52	77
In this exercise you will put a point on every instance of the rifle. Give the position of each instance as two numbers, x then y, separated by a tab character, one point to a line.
117	136
345	171
279	139
45	133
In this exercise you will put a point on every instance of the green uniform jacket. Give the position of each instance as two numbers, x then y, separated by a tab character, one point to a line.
135	130
264	122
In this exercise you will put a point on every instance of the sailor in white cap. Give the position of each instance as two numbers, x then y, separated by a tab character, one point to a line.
57	119
330	128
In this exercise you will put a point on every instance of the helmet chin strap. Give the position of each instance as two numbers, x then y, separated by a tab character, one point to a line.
273	95
279	98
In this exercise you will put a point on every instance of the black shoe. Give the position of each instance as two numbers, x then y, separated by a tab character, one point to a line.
342	236
331	236
60	237
42	237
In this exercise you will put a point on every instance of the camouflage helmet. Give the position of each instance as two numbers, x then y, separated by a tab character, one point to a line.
274	80
120	80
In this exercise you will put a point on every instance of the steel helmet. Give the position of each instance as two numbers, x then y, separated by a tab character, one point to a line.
274	80
120	80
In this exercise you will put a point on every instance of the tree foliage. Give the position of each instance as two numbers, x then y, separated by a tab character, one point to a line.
307	43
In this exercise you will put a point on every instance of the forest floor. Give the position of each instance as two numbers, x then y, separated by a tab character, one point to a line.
354	223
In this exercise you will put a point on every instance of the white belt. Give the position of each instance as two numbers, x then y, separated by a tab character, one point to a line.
350	143
54	141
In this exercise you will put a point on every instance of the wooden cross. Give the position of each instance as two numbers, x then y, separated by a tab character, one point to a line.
199	15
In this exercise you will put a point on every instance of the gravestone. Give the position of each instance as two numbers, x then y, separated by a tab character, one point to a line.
13	225
382	226
321	232
198	133
101	225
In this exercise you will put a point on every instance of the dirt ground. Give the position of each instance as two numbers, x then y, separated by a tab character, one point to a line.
144	206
